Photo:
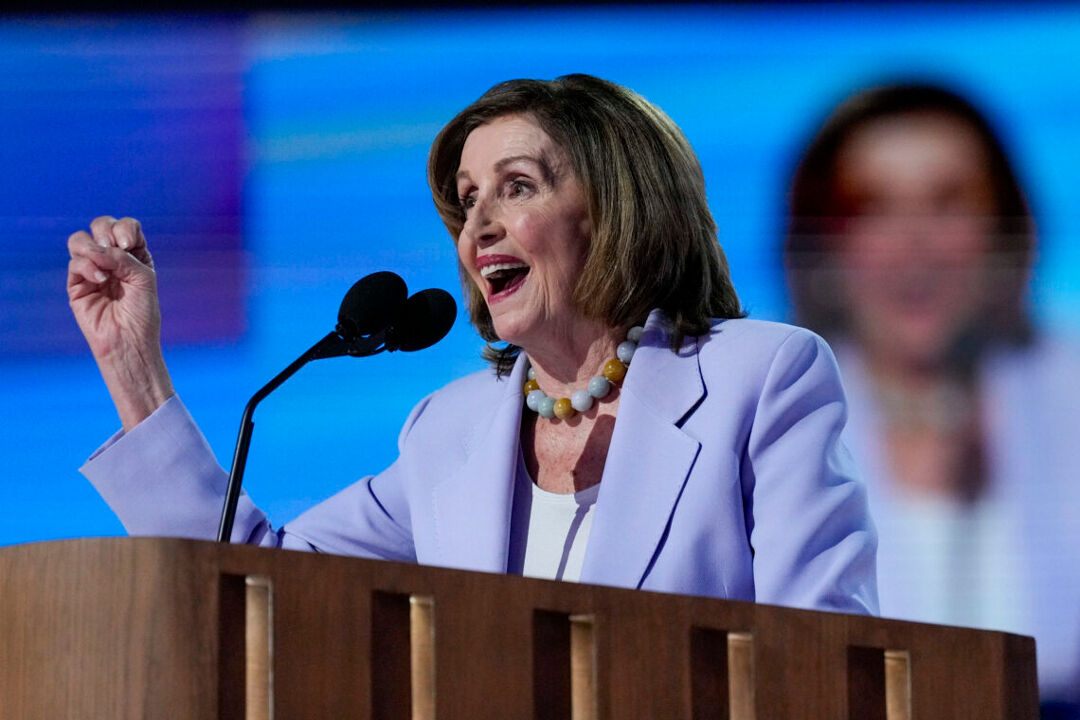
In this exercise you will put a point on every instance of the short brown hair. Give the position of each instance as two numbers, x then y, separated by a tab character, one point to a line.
813	204
654	240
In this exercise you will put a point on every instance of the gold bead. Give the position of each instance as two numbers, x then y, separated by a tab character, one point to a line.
530	386
614	370
563	409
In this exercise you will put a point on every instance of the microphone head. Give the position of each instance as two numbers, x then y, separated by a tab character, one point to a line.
371	304
424	320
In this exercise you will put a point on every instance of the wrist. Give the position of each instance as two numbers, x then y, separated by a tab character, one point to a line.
138	386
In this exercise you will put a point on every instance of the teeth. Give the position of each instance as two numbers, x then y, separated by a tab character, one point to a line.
489	270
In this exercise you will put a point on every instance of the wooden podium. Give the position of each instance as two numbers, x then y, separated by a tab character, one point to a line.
165	628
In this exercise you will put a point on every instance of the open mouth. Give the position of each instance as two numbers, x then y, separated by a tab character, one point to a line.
505	277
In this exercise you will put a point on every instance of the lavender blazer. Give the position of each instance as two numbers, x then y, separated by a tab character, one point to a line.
725	477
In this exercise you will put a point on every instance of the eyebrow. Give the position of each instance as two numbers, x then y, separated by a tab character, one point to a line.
541	162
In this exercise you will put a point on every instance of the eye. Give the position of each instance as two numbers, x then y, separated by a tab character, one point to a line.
519	187
466	202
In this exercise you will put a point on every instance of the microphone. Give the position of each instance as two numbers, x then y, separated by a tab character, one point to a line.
370	304
423	320
376	315
366	311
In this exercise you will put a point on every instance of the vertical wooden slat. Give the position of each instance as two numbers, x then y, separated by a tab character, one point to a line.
897	685
259	646
422	655
740	646
583	704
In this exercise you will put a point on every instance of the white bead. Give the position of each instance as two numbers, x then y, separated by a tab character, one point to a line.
581	400
599	386
635	333
531	374
546	407
533	399
625	351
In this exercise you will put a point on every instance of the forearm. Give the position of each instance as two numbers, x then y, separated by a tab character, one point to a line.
138	383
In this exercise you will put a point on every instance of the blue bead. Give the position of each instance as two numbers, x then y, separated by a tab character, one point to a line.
546	407
533	399
599	386
635	333
625	351
581	400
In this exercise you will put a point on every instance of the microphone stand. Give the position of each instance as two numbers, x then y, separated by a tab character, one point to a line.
335	344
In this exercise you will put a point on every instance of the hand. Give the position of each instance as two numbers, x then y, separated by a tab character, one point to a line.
112	290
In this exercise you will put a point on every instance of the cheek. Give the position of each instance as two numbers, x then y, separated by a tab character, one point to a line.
557	238
463	247
964	239
466	253
532	231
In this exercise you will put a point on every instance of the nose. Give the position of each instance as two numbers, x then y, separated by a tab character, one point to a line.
484	223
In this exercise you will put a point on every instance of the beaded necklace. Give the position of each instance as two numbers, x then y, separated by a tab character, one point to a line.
599	385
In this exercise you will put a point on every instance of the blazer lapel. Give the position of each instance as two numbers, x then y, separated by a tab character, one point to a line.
473	506
648	460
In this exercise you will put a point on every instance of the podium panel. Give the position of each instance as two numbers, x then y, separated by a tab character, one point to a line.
170	628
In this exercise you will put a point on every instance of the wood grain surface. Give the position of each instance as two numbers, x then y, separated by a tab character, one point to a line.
166	628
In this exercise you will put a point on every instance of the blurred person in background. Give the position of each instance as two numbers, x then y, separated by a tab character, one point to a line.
909	246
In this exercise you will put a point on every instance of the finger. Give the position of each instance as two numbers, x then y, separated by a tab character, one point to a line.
79	243
90	272
85	278
109	259
83	270
101	228
83	244
128	234
94	265
122	265
130	230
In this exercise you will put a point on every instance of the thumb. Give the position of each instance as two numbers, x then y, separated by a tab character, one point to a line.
126	268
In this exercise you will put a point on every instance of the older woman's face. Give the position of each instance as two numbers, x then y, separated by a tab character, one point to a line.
914	246
526	231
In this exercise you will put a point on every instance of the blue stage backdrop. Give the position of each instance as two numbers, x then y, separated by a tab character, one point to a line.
275	159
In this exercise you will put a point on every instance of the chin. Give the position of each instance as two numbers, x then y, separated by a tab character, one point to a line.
509	329
914	342
922	347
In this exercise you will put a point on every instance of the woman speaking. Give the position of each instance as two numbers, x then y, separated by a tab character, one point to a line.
633	428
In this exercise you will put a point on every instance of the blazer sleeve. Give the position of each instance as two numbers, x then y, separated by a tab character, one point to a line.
813	542
163	479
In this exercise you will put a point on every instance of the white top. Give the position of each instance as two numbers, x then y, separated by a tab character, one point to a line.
952	563
549	531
